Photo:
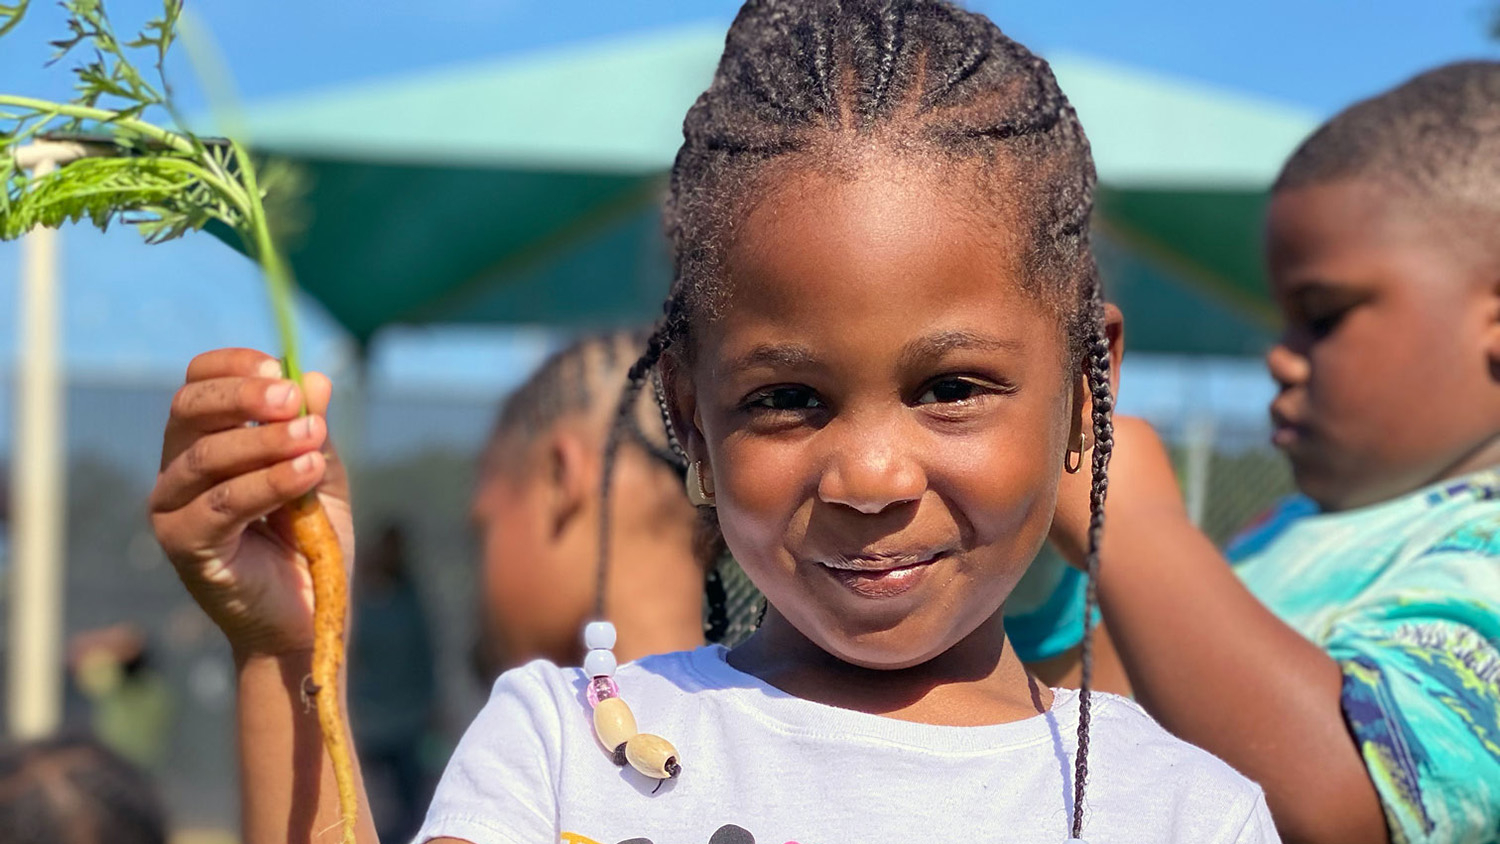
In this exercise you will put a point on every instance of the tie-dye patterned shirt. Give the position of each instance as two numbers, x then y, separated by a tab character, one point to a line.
1406	596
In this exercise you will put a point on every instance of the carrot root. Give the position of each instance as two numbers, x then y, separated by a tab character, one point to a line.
325	563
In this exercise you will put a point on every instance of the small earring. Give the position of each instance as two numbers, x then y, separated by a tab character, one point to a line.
698	494
1073	459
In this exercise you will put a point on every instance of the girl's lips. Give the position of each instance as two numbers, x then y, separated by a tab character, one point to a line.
882	582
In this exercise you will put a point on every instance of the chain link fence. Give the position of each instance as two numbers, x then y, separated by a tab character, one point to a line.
417	470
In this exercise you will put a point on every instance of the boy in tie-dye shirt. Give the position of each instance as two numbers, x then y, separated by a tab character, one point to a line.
1347	661
1405	595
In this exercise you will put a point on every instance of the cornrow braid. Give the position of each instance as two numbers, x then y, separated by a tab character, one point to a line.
635	381
567	383
1102	412
811	83
659	393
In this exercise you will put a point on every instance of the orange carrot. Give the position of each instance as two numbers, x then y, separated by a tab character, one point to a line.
325	563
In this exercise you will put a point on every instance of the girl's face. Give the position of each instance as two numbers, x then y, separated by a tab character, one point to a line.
881	408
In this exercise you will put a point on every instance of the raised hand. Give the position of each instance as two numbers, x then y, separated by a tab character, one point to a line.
235	451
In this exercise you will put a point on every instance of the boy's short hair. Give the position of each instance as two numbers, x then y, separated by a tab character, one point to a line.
71	790
1435	137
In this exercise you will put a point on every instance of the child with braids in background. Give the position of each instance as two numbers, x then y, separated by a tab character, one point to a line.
1350	660
884	345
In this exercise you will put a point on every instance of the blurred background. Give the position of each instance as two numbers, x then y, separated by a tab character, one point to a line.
481	180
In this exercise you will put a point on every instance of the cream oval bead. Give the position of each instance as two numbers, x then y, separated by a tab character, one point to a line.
614	723
653	756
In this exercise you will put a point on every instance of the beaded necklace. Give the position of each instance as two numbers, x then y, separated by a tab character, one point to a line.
614	723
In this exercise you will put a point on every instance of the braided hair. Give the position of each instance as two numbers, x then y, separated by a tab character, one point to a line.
811	82
568	383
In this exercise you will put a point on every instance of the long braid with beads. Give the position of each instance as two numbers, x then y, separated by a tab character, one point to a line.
811	82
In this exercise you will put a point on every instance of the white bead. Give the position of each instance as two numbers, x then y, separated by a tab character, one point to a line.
599	635
599	663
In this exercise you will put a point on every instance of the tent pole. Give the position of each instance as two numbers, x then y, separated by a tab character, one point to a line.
37	485
350	412
38	477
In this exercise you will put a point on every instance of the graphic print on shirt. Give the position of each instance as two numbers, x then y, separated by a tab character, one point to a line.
726	834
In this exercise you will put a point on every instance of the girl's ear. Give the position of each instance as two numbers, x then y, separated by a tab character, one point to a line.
1114	334
682	405
1083	402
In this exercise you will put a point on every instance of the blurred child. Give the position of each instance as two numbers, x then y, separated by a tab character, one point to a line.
884	344
1350	662
392	686
130	702
74	791
537	510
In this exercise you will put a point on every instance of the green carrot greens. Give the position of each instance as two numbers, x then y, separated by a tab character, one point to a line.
166	182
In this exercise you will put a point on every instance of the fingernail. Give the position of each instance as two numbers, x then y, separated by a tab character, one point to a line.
300	428
278	395
303	463
269	369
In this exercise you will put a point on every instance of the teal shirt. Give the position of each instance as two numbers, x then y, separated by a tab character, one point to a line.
1405	595
1044	613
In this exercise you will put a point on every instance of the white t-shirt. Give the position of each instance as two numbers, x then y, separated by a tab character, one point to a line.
759	765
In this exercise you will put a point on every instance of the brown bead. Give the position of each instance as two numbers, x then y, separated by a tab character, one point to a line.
613	722
653	756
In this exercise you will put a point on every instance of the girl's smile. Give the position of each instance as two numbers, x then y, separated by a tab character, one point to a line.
883	576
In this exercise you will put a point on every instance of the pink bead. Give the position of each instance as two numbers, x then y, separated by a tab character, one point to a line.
601	688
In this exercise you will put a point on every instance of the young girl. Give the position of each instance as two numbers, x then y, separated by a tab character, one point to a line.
884	345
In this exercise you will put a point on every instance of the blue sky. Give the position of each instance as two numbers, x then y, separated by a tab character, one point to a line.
139	311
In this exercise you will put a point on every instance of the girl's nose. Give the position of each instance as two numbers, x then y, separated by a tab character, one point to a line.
1288	368
871	476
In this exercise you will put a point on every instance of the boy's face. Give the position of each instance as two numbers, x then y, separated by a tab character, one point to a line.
1386	366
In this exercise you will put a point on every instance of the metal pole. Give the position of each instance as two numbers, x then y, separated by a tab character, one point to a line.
35	680
1200	453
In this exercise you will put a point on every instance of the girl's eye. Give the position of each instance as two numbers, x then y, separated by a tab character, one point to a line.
785	398
950	390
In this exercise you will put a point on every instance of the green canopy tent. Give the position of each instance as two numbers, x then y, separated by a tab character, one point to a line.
525	190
